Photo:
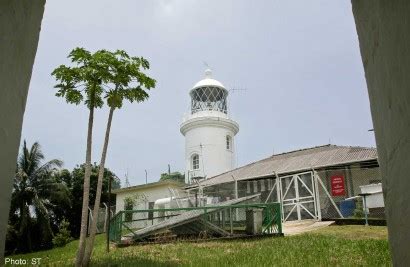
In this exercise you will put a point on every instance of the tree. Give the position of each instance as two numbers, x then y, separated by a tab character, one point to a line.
175	176
35	194
126	81
63	236
83	83
76	179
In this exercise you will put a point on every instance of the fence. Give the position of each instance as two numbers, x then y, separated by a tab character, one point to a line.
102	220
341	189
236	220
331	193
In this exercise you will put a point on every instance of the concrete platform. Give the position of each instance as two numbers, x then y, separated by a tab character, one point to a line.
300	227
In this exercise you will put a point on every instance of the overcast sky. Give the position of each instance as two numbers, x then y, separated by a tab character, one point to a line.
299	62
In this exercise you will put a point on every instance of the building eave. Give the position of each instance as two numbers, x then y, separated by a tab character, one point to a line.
149	185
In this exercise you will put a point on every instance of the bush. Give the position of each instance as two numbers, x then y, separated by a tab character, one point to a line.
63	237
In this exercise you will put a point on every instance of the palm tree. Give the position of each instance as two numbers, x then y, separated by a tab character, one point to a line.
34	194
129	83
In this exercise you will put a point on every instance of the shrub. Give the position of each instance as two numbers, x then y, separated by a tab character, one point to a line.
63	237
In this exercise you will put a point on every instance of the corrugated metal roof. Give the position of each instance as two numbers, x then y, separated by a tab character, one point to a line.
297	161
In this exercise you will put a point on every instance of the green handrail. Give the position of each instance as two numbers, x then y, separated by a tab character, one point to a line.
271	217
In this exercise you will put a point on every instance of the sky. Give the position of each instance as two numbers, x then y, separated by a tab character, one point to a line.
298	62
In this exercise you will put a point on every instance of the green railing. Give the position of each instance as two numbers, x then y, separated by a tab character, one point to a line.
230	220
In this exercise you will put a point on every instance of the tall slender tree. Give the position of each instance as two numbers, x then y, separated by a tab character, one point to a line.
83	83
127	82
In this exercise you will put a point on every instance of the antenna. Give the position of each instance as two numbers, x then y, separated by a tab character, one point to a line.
231	91
127	182
235	89
146	177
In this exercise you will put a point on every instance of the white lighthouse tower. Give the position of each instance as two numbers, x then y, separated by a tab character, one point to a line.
208	130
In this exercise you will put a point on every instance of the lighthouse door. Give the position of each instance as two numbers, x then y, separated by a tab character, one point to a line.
298	197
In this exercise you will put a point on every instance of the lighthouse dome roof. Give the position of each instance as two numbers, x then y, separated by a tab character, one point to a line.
208	81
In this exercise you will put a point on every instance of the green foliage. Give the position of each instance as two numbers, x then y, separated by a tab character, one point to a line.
358	212
84	80
36	200
63	237
128	80
76	180
175	176
115	74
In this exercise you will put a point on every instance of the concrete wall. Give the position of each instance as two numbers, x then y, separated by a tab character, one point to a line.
383	27
19	33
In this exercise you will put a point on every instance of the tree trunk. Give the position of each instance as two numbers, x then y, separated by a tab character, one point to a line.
109	215
86	191
93	230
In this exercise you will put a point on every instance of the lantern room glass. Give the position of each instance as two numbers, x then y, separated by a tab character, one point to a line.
209	98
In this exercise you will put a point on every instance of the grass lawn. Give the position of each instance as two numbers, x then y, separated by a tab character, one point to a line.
334	245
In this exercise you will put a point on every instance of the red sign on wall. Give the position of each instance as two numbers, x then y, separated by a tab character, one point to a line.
338	185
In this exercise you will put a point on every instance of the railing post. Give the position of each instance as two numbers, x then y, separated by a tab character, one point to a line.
279	217
231	220
120	223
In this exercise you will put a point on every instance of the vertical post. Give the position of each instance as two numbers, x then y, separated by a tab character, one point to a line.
105	217
278	218
318	208
236	195
365	211
231	219
236	189
278	186
109	215
120	228
279	195
296	183
364	195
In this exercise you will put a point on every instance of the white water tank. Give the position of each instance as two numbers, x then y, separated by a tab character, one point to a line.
375	199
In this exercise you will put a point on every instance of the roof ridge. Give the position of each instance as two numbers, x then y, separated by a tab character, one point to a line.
321	146
303	149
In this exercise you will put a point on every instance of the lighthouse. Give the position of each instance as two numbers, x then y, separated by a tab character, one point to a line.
209	131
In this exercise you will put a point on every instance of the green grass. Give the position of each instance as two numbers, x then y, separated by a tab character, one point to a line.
334	245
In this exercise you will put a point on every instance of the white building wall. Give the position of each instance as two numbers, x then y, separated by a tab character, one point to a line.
151	194
141	219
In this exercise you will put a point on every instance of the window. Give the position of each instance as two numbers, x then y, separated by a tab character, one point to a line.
228	142
255	186
262	185
195	162
248	187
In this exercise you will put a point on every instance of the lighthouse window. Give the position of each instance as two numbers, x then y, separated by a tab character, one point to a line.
228	142
195	162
